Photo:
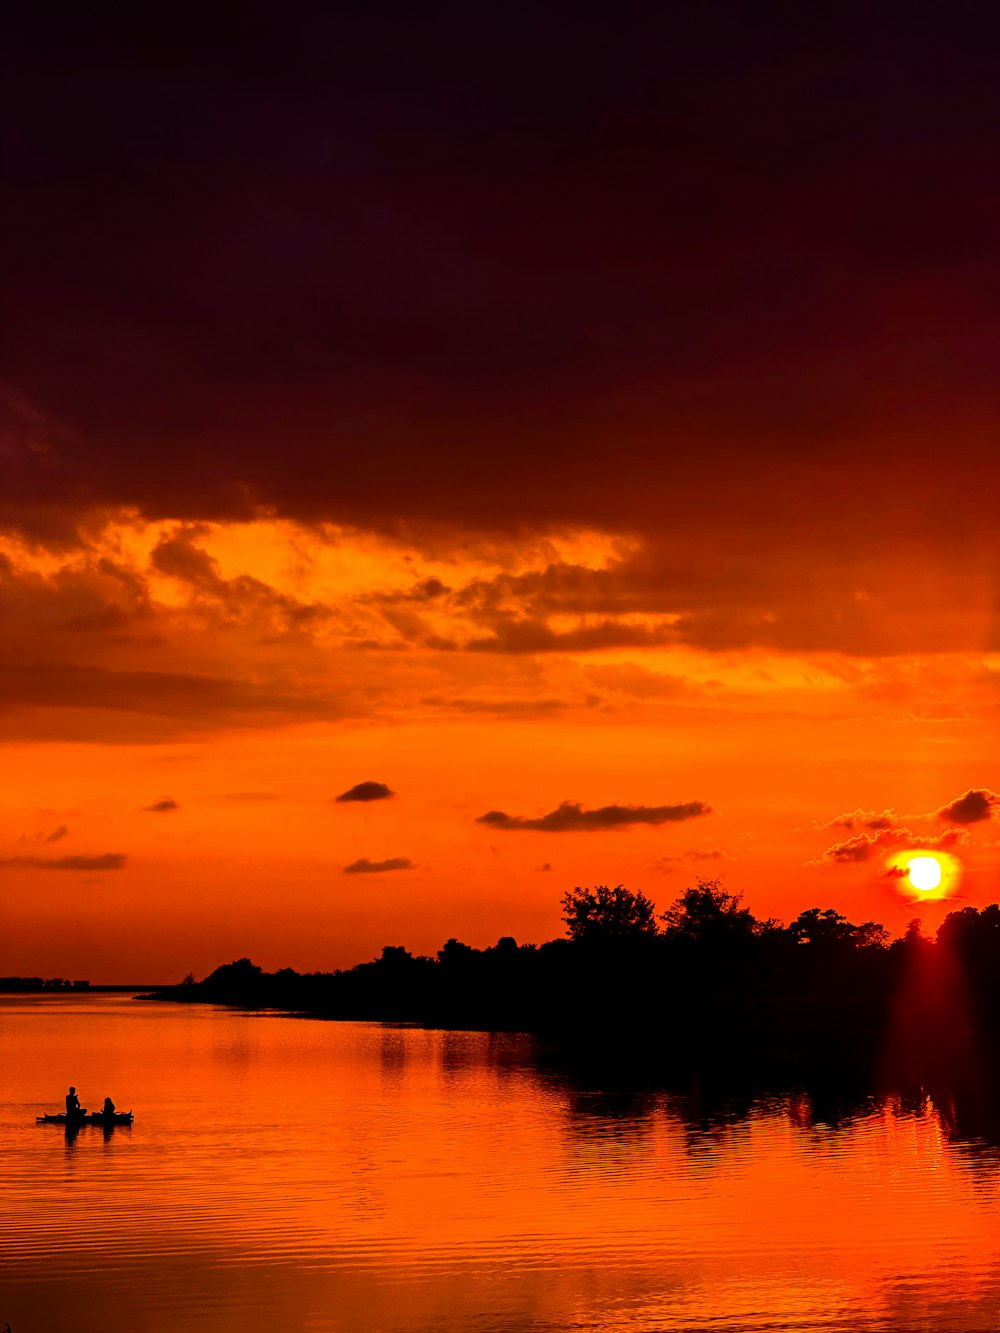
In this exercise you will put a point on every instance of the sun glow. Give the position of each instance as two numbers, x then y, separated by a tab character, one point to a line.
924	873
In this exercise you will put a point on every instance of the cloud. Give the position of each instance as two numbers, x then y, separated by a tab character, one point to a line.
632	331
535	636
666	864
197	698
107	861
869	820
241	598
365	867
366	791
56	835
497	707
865	846
896	872
639	682
162	807
178	557
972	807
570	817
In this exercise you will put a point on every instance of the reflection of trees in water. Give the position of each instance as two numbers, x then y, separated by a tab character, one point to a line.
393	1052
831	1106
502	1057
969	1111
615	1119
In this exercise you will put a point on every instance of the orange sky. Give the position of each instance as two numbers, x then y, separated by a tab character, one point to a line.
513	413
242	676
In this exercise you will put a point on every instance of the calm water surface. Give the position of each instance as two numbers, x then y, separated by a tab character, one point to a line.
290	1174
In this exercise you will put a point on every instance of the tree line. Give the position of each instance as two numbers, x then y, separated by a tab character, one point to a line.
41	984
704	975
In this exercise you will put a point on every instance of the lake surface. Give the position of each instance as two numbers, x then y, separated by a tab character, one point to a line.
293	1174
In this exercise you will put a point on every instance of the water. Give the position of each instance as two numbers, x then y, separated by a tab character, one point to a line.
291	1174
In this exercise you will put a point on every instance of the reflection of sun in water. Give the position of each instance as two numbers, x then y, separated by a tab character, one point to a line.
925	872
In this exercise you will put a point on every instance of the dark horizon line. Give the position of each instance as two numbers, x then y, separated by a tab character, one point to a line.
84	990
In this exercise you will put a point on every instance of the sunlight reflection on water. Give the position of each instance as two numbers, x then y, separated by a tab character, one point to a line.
295	1174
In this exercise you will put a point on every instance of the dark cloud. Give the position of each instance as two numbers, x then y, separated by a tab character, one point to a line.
534	636
859	848
570	817
201	698
672	590
180	558
972	807
89	598
365	867
366	791
107	861
427	590
162	807
518	264
498	707
865	846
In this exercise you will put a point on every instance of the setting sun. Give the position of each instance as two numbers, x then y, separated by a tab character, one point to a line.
925	872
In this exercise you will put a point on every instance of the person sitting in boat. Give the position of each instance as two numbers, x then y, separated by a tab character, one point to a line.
108	1109
73	1108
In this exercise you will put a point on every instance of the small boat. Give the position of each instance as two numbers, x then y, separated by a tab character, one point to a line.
93	1118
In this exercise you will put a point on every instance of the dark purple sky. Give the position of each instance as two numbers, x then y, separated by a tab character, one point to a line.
501	265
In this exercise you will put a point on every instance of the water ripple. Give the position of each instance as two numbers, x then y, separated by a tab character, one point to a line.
342	1176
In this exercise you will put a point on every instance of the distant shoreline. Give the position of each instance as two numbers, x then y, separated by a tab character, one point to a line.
93	989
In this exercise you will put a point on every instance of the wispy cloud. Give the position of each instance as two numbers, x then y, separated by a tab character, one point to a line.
570	817
666	864
106	861
871	821
56	835
162	807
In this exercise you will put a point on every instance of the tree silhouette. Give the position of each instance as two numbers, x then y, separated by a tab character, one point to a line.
830	930
603	913
707	912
